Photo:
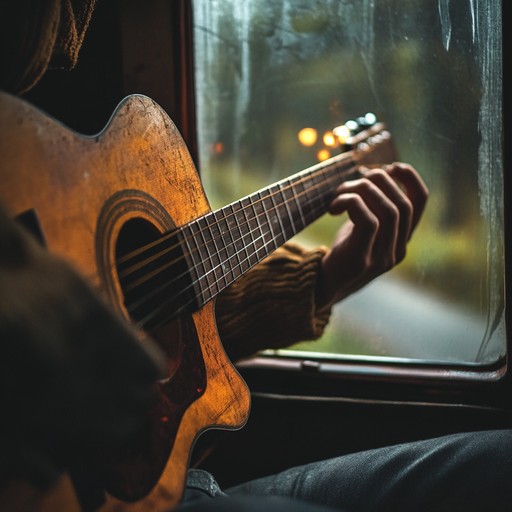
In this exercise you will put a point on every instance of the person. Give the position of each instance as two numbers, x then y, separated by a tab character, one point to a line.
51	344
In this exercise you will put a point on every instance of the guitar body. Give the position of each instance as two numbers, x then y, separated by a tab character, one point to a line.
92	199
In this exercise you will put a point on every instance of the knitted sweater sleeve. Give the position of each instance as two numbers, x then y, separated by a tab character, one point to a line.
273	305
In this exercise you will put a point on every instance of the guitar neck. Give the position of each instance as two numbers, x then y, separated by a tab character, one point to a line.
226	243
188	267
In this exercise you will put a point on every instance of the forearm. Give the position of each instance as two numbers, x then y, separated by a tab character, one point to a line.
274	304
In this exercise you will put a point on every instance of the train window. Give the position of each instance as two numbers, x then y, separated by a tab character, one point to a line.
432	71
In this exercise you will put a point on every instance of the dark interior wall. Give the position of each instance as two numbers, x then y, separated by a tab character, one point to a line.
131	47
85	97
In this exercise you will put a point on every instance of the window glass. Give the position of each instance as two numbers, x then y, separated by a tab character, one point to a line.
431	70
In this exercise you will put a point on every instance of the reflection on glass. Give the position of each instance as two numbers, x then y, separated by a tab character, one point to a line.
273	80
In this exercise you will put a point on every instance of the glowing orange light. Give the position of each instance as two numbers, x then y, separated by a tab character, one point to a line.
329	139
218	148
307	136
342	132
323	154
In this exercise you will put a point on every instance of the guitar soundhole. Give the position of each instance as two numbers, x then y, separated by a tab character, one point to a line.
134	234
132	472
141	300
133	272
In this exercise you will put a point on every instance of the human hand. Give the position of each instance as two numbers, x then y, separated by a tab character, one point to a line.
74	378
384	207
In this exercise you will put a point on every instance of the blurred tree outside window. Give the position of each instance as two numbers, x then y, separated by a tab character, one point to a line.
431	70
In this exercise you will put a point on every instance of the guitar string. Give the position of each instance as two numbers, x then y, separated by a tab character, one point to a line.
137	282
339	163
320	209
141	300
217	279
145	321
346	158
311	174
155	291
133	284
162	305
144	299
226	218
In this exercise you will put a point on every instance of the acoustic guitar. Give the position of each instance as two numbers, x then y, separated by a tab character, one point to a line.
127	208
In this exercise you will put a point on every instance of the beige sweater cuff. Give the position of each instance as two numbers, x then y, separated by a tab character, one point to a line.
273	305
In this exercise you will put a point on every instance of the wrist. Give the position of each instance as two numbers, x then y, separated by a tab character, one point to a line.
325	291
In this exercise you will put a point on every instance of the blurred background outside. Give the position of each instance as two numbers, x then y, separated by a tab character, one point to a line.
267	69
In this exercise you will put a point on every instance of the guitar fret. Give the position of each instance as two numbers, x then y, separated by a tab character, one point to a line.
259	241
229	228
269	241
221	249
193	258
207	234
235	236
284	192
277	207
307	213
242	224
201	260
317	204
212	254
253	229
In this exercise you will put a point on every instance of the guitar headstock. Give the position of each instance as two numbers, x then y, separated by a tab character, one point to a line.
369	140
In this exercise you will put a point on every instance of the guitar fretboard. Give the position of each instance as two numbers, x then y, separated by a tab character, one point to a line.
224	244
188	267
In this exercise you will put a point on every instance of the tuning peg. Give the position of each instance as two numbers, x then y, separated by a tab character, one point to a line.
354	126
365	121
370	118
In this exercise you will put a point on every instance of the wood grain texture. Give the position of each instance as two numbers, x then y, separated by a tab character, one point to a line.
67	179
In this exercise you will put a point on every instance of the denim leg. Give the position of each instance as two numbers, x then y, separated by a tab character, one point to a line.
203	494
462	472
201	484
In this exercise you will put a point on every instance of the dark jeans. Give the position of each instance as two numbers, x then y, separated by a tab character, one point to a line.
463	472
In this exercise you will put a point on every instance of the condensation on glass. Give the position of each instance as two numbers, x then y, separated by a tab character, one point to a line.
266	69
